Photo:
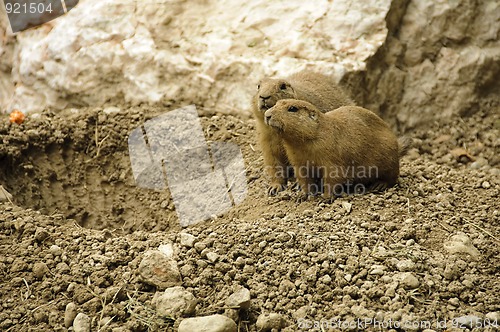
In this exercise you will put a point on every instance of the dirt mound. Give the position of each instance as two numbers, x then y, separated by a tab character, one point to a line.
394	256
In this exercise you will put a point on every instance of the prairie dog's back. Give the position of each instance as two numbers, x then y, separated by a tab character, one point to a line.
320	90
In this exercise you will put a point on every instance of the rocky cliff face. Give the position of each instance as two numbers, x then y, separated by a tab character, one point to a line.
440	58
411	60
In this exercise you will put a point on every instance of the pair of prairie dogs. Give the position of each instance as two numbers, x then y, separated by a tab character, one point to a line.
308	127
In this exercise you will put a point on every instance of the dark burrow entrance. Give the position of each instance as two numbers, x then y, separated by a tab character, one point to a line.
77	164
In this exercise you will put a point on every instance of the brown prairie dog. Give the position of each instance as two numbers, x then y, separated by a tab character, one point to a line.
347	145
318	89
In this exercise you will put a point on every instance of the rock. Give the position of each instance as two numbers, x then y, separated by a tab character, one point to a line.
233	314
18	265
200	246
105	321
347	207
55	250
111	110
240	299
167	249
468	321
461	244
451	271
40	269
41	234
485	185
174	302
158	270
391	289
81	323
62	268
145	69
308	213
212	256
430	69
41	316
114	294
268	322
4	195
479	163
70	314
213	323
187	240
327	216
301	313
378	270
408	280
359	311
493	318
405	265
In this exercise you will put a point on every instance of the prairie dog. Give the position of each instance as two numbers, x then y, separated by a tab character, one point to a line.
349	145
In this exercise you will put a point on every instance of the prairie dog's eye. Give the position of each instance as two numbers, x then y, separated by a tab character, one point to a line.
258	86
283	86
292	109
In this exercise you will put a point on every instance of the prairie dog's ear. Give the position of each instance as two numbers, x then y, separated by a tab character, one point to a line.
313	115
283	85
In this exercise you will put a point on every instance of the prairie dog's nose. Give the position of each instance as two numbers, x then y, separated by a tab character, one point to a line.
265	97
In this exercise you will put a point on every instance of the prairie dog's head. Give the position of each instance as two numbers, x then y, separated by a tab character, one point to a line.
270	90
295	119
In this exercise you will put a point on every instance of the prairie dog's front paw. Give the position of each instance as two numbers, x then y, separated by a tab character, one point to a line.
275	188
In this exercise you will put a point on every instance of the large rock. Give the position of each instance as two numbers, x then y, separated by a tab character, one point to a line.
440	58
205	52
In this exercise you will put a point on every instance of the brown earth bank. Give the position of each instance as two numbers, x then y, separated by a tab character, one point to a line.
77	229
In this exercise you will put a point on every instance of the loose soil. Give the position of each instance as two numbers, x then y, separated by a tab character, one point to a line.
77	209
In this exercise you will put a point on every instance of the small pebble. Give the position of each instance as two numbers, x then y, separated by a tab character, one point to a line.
187	240
493	318
454	302
409	280
174	302
480	162
40	269
327	216
69	314
41	234
268	322
405	265
213	323
81	323
308	213
240	299
212	257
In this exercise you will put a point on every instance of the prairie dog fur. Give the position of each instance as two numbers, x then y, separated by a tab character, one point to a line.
347	145
318	89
